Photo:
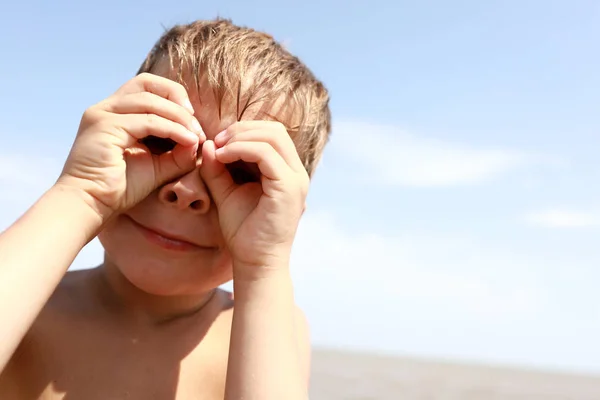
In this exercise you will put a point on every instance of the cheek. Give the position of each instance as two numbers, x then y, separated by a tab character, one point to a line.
108	237
161	273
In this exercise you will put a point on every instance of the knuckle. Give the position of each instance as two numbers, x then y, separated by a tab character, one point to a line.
234	128
92	115
179	129
178	86
233	139
144	76
144	96
303	179
175	128
148	100
143	80
104	105
304	188
266	148
150	120
278	126
173	86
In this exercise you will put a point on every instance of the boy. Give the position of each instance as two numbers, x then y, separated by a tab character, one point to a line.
193	173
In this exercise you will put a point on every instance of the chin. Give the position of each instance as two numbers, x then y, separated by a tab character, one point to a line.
161	272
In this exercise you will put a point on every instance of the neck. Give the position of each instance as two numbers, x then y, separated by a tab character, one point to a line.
137	306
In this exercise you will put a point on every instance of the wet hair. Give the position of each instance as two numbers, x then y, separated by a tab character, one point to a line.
251	68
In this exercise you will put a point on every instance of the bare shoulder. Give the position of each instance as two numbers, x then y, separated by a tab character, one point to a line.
73	301
68	300
73	292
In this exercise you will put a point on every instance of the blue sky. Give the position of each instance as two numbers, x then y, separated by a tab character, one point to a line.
455	213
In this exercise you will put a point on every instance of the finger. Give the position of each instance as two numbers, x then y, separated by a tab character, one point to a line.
150	103
279	140
247	125
270	163
160	86
175	163
275	128
139	126
215	175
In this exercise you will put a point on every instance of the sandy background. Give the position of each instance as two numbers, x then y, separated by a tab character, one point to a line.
347	376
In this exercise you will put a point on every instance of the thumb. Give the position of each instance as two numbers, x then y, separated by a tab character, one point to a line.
215	175
175	163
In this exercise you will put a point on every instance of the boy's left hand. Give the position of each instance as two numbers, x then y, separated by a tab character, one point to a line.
259	217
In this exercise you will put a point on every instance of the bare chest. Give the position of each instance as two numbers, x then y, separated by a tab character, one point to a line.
93	365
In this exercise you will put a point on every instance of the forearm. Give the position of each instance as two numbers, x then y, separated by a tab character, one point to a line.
35	252
264	358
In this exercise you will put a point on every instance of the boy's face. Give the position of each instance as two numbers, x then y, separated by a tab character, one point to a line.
195	259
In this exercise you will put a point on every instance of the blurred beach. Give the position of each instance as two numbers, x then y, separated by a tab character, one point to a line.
353	376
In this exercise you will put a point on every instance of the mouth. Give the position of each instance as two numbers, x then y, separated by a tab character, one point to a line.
166	240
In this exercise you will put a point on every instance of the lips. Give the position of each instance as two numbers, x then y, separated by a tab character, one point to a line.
166	240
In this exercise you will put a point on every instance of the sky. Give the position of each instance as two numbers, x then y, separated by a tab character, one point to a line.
456	211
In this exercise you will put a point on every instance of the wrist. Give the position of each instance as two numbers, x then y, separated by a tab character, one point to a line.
79	205
81	197
272	267
266	288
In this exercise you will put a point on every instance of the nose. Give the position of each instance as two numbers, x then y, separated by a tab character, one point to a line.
186	193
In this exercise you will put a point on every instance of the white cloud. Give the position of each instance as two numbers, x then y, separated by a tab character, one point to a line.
398	268
451	273
557	218
400	158
440	296
423	293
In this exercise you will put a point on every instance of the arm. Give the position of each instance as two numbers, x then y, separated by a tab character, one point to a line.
95	184
270	350
35	252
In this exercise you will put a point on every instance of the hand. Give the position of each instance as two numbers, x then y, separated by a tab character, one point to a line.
109	162
259	186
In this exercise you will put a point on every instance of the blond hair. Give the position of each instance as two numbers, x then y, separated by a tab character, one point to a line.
226	55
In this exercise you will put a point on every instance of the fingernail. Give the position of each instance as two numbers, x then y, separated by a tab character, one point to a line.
198	137
220	136
197	129
196	125
188	104
193	136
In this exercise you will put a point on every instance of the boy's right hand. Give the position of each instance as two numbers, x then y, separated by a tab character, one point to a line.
107	162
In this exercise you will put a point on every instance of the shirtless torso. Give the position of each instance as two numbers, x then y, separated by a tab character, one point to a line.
82	346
